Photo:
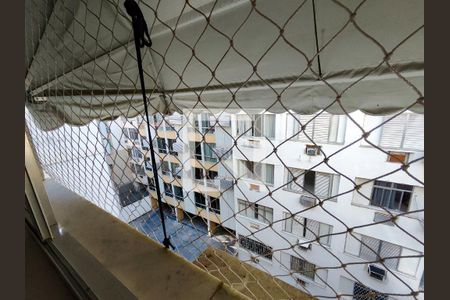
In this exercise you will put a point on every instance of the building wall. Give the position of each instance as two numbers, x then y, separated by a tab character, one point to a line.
358	162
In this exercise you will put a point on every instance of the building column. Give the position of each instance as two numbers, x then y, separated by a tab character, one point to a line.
154	202
212	227
180	213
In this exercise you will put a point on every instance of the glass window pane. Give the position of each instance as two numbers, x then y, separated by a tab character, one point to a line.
269	126
287	222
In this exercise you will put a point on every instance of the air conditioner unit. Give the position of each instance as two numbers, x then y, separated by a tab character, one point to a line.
254	187
300	281
312	150
376	272
303	246
307	201
254	259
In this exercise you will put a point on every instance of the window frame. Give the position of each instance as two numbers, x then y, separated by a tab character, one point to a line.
295	127
393	187
255	174
324	237
379	252
296	261
250	207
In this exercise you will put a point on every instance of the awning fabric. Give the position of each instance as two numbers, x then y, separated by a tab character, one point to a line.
87	49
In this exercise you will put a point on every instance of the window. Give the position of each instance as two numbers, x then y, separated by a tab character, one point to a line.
261	125
405	131
255	211
361	292
204	126
139	170
161	145
397	157
257	171
148	164
255	247
168	189
131	133
303	267
215	205
373	249
198	174
151	184
200	200
136	153
422	282
321	128
170	146
322	185
307	228
208	152
177	170
145	144
391	195
165	168
179	195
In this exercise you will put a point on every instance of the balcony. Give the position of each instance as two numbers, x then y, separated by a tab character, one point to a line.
195	136
207	186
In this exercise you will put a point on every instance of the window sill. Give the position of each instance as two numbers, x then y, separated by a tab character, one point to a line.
396	272
378	209
117	246
254	220
254	181
334	199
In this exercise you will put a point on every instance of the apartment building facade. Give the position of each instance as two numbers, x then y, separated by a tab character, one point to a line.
269	199
297	179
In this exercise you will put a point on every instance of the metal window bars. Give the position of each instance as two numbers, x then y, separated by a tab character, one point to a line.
235	90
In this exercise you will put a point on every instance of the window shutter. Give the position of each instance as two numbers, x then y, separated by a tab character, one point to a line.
369	248
269	126
322	127
309	128
312	229
285	260
390	250
297	184
322	186
414	135
392	132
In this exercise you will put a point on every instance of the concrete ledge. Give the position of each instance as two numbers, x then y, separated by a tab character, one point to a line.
143	266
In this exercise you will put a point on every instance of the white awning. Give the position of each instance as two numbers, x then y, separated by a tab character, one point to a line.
90	52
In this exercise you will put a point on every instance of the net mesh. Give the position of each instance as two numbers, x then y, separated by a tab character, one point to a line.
277	205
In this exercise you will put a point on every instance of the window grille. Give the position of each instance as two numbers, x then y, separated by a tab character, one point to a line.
303	267
362	292
256	247
236	90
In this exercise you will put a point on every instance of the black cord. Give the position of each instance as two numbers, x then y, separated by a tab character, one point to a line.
317	40
141	39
